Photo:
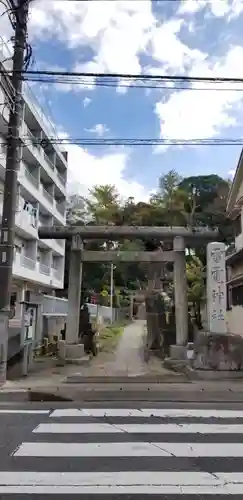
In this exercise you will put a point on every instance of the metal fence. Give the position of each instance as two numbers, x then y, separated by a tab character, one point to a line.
58	306
54	306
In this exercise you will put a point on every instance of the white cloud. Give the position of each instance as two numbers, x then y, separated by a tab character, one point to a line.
203	113
231	173
99	129
167	48
227	9
86	170
86	101
117	31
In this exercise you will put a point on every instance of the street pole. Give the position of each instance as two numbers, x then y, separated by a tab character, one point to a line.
13	158
111	291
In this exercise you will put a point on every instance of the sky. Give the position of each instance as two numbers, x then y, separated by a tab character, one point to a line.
173	37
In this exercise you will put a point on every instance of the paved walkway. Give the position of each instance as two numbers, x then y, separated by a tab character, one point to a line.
128	358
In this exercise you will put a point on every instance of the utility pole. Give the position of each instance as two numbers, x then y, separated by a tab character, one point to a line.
13	158
111	291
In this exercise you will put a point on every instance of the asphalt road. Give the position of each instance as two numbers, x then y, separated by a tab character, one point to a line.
105	451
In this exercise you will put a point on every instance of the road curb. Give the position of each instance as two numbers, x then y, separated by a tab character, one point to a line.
125	380
119	393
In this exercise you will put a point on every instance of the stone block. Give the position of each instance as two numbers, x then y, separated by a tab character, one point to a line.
68	352
74	351
222	352
178	352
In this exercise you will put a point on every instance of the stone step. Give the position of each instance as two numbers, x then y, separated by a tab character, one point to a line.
84	361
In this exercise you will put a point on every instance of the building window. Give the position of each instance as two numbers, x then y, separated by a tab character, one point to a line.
237	295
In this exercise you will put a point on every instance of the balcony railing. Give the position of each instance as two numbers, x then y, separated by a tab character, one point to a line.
31	178
44	222
61	178
4	111
44	269
47	195
27	262
54	305
6	59
48	161
60	208
25	219
56	274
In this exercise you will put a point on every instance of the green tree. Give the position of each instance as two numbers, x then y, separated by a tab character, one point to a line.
171	199
103	204
193	201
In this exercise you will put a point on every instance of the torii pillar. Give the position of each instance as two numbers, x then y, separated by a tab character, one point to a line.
72	350
180	295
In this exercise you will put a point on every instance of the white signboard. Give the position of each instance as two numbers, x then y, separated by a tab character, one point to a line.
216	288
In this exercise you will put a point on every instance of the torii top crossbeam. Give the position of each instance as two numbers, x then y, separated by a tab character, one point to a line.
129	232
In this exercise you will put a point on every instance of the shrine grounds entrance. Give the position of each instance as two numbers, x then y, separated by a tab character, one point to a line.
179	237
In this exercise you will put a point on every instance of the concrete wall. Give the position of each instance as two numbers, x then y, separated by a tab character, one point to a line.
235	320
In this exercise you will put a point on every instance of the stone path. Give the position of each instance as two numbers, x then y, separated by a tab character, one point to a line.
128	358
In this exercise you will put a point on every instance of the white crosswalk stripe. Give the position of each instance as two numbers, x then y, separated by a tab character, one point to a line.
145	412
130	452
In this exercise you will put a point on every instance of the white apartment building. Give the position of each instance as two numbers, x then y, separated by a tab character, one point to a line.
234	262
38	264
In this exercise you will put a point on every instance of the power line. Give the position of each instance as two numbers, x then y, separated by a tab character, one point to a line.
112	84
31	74
83	141
152	1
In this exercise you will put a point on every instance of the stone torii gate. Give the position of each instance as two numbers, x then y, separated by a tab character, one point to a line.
180	236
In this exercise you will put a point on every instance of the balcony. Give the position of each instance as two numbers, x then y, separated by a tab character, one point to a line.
37	191
6	54
4	114
27	262
57	246
56	273
48	161
61	178
47	195
30	177
44	269
28	269
33	139
57	276
26	220
60	207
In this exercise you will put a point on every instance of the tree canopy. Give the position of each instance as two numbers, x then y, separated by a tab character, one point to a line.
192	201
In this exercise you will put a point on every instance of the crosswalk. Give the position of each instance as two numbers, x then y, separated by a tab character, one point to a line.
129	452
